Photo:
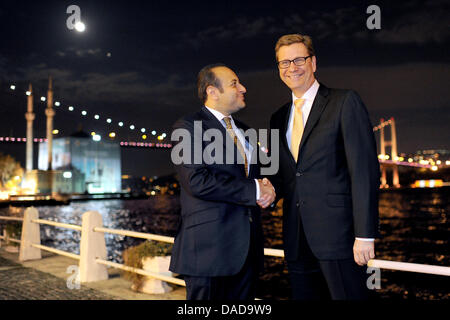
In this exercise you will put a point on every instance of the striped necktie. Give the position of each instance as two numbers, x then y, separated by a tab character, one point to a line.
236	142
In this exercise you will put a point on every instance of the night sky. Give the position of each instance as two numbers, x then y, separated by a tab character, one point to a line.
137	62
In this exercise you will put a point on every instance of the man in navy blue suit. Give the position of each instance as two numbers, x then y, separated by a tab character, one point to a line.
329	178
219	246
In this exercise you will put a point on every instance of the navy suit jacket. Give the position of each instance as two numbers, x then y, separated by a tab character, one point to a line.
334	185
217	200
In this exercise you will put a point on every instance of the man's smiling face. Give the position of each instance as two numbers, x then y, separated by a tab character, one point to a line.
297	78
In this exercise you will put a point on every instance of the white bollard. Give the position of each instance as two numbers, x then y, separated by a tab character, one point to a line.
30	235
157	265
92	246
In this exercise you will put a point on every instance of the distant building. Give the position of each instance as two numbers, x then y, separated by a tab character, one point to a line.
438	154
54	181
95	165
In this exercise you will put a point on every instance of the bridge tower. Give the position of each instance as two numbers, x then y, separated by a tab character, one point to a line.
394	154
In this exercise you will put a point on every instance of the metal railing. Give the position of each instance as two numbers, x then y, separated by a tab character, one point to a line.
375	263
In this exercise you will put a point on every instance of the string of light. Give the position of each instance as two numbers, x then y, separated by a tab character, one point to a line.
122	143
97	116
383	124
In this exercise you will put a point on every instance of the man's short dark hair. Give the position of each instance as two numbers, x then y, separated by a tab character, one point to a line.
206	77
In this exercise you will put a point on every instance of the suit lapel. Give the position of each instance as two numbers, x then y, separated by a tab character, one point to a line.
317	108
284	123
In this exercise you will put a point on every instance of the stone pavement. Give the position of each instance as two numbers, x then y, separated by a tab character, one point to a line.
46	279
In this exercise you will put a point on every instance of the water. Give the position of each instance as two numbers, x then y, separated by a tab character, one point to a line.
414	225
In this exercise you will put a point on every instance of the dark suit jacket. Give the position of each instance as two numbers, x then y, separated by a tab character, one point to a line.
216	202
334	185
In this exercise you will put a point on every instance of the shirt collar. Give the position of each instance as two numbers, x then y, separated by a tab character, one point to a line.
310	94
218	114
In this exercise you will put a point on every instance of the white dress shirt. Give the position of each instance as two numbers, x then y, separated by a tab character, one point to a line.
248	148
309	97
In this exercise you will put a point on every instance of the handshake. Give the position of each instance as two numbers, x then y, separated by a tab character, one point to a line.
266	193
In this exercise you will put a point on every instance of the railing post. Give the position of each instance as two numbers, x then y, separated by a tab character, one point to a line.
92	247
4	237
30	235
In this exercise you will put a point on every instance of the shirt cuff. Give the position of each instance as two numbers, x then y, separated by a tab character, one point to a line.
365	239
257	189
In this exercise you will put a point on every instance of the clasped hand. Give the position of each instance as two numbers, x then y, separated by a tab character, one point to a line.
266	193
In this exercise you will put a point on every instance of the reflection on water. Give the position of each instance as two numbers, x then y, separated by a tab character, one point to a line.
414	225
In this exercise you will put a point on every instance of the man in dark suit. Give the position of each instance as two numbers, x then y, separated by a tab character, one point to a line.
218	248
329	179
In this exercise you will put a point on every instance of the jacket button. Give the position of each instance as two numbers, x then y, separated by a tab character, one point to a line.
297	204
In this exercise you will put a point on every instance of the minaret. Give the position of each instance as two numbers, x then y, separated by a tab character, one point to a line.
29	115
50	113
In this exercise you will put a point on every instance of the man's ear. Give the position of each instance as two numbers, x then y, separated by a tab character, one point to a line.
212	92
314	61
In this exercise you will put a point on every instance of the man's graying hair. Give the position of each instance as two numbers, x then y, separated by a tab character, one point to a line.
206	77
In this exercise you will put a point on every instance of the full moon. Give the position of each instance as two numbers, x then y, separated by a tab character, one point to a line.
80	27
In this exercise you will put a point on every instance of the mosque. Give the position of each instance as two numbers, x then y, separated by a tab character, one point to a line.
67	165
